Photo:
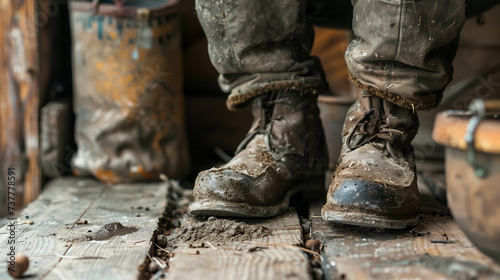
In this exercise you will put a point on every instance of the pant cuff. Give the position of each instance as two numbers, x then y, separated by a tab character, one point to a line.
237	101
414	105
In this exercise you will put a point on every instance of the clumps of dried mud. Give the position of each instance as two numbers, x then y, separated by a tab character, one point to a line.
105	232
216	231
113	229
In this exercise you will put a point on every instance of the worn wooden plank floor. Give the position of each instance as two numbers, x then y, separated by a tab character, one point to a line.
70	212
235	261
435	249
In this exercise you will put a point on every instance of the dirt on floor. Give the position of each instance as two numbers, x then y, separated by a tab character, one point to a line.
213	230
179	228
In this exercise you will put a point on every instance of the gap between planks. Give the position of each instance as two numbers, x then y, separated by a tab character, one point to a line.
234	261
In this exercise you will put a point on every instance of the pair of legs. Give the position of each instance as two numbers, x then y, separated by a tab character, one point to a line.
401	61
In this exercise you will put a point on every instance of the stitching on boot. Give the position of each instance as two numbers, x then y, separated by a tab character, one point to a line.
396	99
238	101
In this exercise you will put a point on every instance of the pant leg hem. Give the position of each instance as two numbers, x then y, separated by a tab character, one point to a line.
237	101
397	99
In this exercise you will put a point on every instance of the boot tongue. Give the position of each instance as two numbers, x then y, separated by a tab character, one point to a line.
284	129
281	118
289	126
260	112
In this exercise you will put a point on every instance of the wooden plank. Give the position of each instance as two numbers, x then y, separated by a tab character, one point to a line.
231	261
58	229
60	206
435	249
19	98
122	254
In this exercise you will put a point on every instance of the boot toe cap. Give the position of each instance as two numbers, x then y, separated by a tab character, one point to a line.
371	197
223	185
234	186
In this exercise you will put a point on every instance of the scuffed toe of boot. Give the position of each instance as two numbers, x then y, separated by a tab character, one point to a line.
232	193
368	203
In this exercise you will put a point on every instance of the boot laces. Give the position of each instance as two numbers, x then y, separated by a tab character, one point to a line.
265	125
267	120
372	128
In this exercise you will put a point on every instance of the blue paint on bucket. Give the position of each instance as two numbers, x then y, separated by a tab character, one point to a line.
99	29
119	27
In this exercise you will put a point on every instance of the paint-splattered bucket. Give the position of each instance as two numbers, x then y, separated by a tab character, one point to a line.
129	105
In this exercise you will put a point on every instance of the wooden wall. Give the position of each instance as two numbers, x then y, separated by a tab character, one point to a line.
19	99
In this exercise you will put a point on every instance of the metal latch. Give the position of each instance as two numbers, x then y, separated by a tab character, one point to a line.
478	108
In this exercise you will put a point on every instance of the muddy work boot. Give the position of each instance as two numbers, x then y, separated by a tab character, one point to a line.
283	153
375	184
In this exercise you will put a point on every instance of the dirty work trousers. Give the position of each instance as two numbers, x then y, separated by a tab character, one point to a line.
402	50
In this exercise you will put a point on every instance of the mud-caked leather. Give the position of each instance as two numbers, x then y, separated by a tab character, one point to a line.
284	146
375	183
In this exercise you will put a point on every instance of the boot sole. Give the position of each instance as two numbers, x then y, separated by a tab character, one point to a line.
231	209
367	220
206	207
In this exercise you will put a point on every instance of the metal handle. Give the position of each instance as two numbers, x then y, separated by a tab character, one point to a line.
479	108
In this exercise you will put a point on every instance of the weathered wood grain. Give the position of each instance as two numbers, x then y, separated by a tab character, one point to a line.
19	98
233	262
60	206
122	254
59	229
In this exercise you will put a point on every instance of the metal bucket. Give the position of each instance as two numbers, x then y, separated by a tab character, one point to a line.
129	104
472	141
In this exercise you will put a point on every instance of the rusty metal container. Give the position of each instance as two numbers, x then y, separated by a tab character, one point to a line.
472	141
129	104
